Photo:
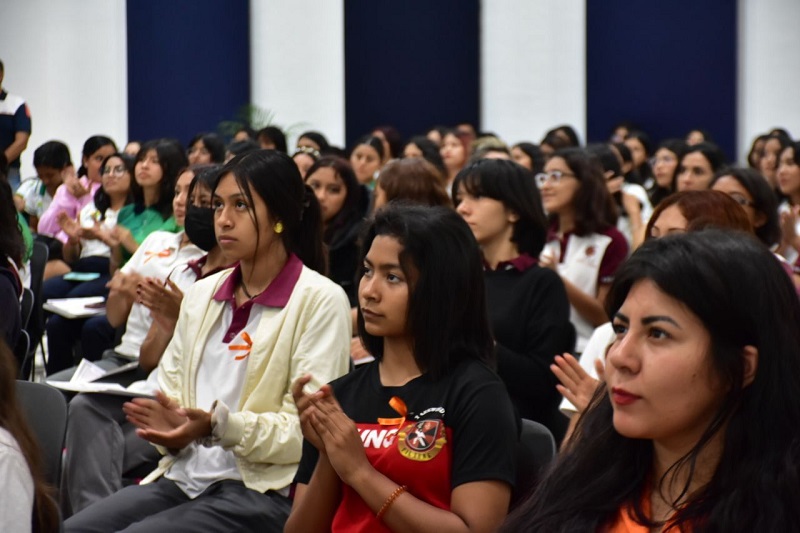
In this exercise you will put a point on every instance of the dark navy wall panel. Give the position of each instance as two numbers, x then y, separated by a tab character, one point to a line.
188	65
668	66
412	64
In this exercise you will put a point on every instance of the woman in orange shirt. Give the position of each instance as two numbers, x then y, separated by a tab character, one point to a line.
696	427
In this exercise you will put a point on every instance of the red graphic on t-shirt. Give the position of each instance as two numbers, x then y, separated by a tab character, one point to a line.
239	347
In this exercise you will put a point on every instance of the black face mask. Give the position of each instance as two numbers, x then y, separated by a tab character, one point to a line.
199	226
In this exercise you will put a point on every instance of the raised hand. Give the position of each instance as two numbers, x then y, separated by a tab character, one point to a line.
125	284
575	384
339	435
72	183
305	409
69	226
164	302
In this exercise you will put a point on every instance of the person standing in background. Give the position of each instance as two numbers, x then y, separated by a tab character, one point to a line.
15	130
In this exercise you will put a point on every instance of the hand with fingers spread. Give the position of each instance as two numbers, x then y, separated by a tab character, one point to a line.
122	236
163	301
72	183
124	284
576	385
339	435
69	226
99	233
162	421
305	408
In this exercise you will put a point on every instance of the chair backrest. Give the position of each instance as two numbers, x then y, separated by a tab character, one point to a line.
21	349
39	258
535	451
45	410
26	307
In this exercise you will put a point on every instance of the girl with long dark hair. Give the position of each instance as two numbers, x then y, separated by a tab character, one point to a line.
422	439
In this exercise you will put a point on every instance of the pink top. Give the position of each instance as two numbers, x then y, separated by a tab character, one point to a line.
64	201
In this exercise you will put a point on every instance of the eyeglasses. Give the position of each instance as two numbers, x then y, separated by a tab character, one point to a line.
117	171
665	159
741	200
554	176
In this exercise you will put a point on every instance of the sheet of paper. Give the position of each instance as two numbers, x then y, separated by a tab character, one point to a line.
101	388
86	372
74	307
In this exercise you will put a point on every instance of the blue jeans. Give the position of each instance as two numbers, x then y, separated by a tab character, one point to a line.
13	178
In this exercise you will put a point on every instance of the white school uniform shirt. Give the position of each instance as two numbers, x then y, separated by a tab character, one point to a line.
222	372
157	257
36	197
86	218
16	503
790	254
624	223
581	266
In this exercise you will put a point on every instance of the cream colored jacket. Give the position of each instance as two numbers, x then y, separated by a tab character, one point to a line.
311	335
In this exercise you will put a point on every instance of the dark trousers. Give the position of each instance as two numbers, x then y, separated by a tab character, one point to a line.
225	506
58	287
95	335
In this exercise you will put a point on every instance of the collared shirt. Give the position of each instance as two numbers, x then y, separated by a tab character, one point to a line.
157	256
35	195
521	263
65	202
614	255
275	295
14	117
222	372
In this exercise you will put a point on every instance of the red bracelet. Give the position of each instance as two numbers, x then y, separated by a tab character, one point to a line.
390	500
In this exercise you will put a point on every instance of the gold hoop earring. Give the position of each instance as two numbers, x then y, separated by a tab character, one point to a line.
278	227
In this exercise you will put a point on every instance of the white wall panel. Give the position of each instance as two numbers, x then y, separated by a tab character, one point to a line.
297	64
533	67
769	69
68	60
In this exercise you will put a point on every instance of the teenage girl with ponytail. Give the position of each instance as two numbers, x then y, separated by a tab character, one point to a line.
224	416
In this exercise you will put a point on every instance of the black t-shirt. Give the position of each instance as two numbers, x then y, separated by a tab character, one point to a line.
457	430
529	312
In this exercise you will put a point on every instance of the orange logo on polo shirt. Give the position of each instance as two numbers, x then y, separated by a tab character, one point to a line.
242	347
166	252
422	441
590	251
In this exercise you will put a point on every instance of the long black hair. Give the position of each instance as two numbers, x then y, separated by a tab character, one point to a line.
764	201
513	185
171	159
350	213
275	178
12	244
592	203
447	316
93	144
741	294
